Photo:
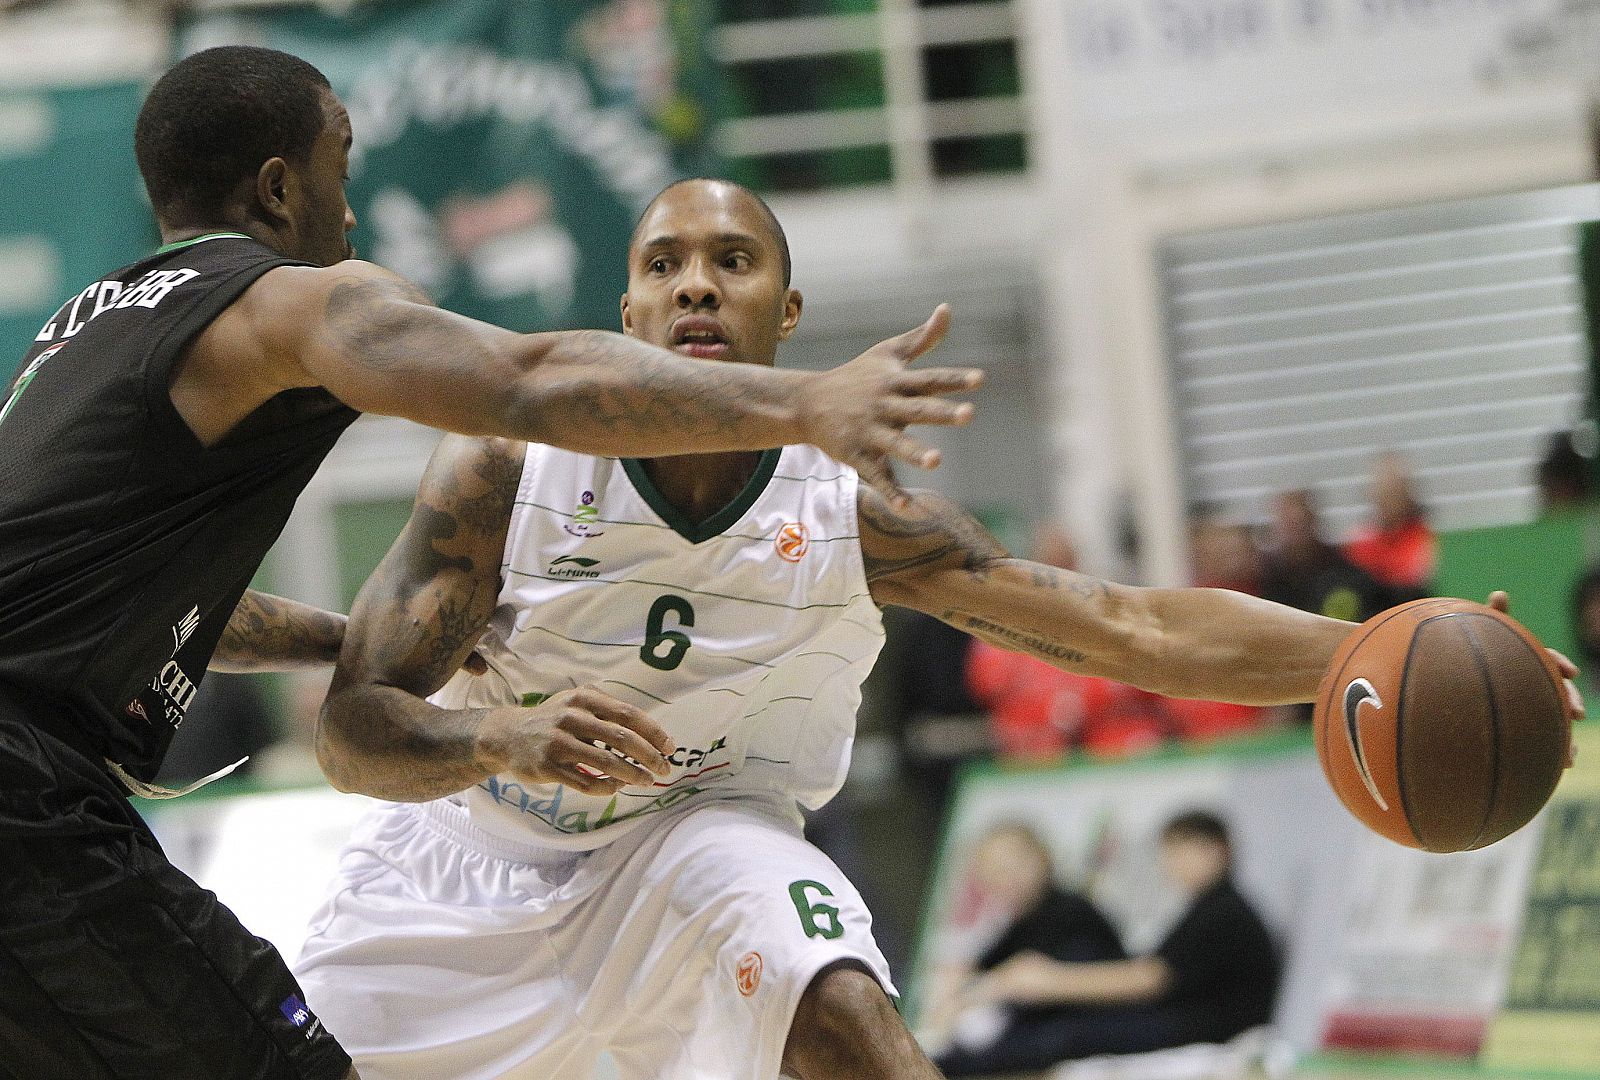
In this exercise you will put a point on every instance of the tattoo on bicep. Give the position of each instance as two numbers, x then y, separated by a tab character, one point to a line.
935	531
379	333
1010	638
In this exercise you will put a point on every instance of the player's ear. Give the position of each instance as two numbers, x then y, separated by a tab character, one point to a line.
792	303
627	320
272	188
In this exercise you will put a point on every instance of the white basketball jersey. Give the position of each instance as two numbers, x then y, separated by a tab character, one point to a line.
745	637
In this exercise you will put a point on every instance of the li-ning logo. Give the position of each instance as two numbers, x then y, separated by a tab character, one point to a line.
584	517
792	542
1358	691
573	566
748	975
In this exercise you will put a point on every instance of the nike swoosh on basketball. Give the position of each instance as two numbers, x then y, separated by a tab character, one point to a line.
1358	691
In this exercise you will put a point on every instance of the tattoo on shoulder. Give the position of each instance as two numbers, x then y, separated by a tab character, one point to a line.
934	530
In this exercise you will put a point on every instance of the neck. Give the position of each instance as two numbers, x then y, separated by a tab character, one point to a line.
177	234
699	485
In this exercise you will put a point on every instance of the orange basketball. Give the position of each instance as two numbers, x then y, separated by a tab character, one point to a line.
1442	725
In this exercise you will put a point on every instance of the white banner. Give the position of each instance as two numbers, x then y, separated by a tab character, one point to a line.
1193	60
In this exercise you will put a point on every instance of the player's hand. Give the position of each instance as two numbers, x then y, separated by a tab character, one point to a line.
1501	602
858	412
581	738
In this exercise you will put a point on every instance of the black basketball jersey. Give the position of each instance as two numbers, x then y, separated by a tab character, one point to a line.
124	543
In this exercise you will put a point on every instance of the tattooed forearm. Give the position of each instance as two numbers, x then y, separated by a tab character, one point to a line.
1010	638
269	633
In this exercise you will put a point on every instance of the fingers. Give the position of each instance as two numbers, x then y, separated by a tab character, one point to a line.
913	343
945	380
619	742
1568	669
902	447
629	717
1500	601
875	471
914	410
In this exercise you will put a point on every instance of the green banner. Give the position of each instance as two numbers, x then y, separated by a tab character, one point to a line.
73	205
503	149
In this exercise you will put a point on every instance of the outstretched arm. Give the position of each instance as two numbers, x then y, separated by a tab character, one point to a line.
379	345
1195	643
270	633
414	623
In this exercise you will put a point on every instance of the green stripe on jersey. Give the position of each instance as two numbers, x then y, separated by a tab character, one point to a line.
684	588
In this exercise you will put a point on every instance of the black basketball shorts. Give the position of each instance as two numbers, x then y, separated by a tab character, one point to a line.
113	963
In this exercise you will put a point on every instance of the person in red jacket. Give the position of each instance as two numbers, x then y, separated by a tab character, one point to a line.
1397	547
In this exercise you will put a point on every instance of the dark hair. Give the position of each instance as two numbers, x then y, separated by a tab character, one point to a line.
1197	825
216	117
772	219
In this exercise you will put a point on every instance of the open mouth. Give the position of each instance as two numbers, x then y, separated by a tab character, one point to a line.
699	336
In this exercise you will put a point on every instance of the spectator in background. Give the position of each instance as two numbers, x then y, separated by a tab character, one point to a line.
1037	712
1221	553
1563	476
1305	571
1212	978
1397	547
1011	889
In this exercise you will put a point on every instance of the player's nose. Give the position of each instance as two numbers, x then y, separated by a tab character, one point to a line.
697	288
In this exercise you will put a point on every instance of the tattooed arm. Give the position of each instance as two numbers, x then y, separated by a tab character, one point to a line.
1196	643
376	342
269	633
412	626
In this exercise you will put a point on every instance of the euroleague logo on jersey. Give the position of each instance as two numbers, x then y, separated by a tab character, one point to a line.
748	975
792	541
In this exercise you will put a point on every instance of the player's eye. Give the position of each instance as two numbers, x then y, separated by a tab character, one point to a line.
737	260
658	266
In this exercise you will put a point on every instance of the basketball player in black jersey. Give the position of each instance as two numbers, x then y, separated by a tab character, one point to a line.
155	439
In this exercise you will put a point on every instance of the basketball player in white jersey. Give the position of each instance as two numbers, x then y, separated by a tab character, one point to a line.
596	846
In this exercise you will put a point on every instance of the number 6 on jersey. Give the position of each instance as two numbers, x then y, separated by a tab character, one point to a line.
677	642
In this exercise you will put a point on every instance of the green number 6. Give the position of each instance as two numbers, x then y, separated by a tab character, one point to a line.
676	641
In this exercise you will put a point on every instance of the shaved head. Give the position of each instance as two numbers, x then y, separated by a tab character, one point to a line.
767	215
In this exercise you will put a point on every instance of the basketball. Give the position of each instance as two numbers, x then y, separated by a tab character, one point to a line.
1441	725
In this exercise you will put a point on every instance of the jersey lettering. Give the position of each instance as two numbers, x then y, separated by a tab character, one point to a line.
147	292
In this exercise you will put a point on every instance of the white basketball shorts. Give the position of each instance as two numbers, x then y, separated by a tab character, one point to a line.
682	948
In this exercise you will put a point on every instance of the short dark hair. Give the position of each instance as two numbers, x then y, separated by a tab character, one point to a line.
216	117
1198	825
772	219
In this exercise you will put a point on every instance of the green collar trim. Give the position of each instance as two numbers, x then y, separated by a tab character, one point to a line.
716	523
179	244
